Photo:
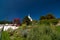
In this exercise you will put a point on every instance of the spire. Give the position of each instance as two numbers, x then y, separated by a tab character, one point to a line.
29	17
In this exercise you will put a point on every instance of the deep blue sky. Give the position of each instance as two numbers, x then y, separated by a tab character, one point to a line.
20	8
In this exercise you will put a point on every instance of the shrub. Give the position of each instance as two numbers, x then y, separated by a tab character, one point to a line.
43	32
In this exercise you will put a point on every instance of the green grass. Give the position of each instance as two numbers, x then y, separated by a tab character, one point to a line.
39	31
5	36
58	28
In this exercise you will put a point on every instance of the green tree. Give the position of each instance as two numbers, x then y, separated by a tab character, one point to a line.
42	17
26	20
50	16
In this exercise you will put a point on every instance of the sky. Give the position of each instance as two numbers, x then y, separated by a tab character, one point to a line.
20	8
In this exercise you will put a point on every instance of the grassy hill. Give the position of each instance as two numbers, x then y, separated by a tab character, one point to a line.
42	30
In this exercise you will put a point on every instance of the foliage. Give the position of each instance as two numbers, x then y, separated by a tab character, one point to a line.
42	18
54	21
48	17
45	22
43	33
58	28
5	35
26	20
48	22
40	31
4	22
